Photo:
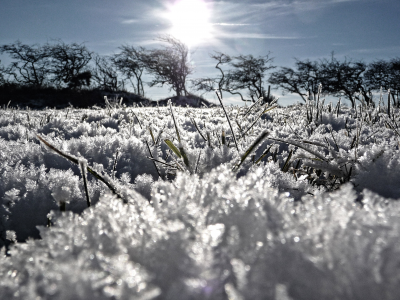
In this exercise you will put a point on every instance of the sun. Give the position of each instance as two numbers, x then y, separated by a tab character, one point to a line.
190	21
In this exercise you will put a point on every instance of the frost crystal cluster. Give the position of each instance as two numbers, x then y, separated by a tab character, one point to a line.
303	206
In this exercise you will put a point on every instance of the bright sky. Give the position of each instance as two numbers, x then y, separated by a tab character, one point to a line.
303	29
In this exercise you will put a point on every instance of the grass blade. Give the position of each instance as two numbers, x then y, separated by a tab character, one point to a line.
263	155
140	124
195	125
82	165
152	135
173	118
90	170
261	137
209	139
197	163
161	162
300	146
151	155
229	122
252	106
184	156
285	167
173	148
251	126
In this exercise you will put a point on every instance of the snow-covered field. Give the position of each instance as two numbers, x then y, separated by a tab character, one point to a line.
310	213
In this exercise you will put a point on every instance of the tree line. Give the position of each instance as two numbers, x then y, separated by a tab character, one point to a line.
353	80
73	66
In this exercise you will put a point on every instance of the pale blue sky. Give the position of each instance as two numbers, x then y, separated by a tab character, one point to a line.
358	29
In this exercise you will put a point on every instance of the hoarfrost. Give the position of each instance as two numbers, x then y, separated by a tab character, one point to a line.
325	227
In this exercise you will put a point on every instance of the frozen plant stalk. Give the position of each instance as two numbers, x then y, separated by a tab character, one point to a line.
75	160
83	167
229	122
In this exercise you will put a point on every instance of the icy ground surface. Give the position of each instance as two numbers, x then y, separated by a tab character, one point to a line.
315	218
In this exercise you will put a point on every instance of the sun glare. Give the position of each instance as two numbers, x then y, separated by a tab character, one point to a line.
190	21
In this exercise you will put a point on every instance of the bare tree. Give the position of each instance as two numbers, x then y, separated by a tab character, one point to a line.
338	78
385	74
129	62
169	65
303	80
345	78
210	84
31	65
246	73
106	75
2	73
69	64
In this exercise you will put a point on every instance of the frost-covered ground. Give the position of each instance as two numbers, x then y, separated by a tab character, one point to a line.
309	213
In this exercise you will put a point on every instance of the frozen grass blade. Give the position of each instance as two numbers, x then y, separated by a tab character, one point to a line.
286	165
173	147
90	170
260	138
395	103
255	121
115	164
173	118
313	143
178	165
83	167
73	159
240	127
152	135
227	117
140	124
300	146
209	139
334	140
263	155
159	136
254	105
151	155
184	156
161	162
197	128
197	163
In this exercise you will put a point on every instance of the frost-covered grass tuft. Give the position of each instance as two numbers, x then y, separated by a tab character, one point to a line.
305	210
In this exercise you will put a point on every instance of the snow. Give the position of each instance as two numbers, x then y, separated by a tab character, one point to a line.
325	228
